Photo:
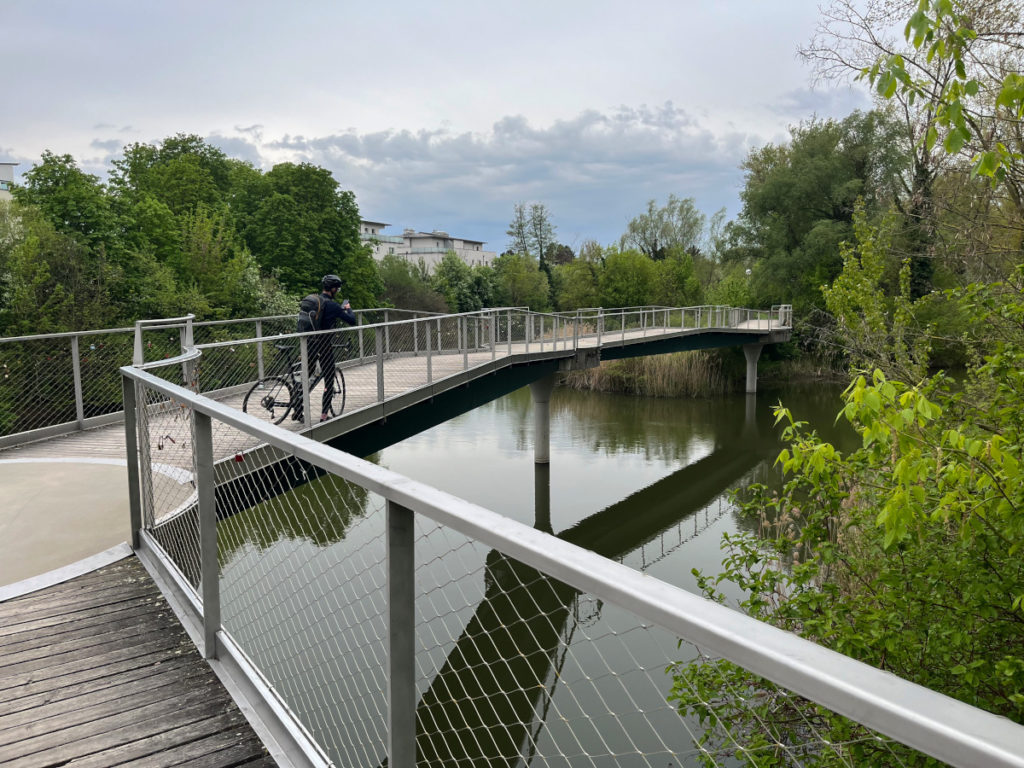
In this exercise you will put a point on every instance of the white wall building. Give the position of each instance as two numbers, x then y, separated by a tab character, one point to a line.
429	246
6	180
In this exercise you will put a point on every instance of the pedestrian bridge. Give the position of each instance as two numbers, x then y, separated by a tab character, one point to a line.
448	634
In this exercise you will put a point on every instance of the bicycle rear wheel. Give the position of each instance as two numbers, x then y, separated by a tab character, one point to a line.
338	401
269	399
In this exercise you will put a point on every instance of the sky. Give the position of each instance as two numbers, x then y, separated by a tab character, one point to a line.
436	115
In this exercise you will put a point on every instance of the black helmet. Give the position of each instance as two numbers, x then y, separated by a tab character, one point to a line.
330	281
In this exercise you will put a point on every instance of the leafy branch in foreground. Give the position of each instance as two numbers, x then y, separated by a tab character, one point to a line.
903	554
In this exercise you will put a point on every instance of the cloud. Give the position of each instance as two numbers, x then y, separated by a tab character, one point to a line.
801	103
108	145
595	171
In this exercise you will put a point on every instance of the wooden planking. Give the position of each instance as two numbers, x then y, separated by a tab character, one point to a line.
88	679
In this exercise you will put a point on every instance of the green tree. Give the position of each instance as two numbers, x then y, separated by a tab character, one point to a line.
49	280
520	283
798	203
541	233
74	202
676	283
578	284
519	230
408	286
628	279
304	227
453	279
678	224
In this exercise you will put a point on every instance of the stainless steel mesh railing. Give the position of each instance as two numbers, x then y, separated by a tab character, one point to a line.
397	623
58	383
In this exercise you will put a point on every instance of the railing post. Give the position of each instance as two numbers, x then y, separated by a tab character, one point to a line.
509	332
600	325
415	334
426	342
207	497
401	567
492	322
387	335
188	369
259	350
76	367
440	346
131	443
304	380
528	330
542	333
379	343
464	334
362	352
138	357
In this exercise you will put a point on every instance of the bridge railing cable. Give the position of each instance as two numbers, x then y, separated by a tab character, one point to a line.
52	384
384	620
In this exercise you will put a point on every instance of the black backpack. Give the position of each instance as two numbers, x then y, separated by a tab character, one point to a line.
311	310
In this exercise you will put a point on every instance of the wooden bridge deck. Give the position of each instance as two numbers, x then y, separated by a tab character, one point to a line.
97	671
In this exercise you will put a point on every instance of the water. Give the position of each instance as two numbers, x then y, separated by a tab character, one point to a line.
513	668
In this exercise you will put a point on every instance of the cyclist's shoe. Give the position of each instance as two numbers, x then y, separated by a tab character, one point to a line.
324	416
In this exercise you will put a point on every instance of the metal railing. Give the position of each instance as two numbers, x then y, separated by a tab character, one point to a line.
382	619
59	383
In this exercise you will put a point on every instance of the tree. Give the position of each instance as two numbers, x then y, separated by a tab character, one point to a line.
578	284
304	227
453	279
49	280
798	203
519	231
408	287
520	283
541	233
560	254
676	225
75	202
676	283
628	279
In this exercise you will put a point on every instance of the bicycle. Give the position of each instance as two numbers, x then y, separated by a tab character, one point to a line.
274	397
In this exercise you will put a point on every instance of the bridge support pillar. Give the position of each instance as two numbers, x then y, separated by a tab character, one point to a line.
752	352
541	391
542	497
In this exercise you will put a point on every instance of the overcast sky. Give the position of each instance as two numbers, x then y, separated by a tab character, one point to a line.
437	116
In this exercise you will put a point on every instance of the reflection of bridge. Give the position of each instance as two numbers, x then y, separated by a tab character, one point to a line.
495	691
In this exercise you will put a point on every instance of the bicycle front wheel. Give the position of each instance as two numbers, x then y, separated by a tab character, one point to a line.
338	401
269	399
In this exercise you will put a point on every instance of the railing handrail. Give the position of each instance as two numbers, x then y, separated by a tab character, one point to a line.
928	721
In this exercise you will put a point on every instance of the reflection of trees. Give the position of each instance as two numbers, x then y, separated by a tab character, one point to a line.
291	499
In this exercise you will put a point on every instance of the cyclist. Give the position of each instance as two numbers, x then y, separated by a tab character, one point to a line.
321	312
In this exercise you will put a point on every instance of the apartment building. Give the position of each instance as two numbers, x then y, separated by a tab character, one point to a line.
428	246
6	180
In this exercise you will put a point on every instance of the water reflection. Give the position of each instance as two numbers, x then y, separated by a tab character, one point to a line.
496	681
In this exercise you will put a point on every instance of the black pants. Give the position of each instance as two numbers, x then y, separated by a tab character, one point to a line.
322	354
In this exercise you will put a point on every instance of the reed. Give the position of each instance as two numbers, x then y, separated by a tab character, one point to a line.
681	374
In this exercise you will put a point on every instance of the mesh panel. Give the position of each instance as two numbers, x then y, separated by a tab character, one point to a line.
513	667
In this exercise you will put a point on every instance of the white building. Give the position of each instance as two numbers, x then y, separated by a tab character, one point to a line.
429	246
6	180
